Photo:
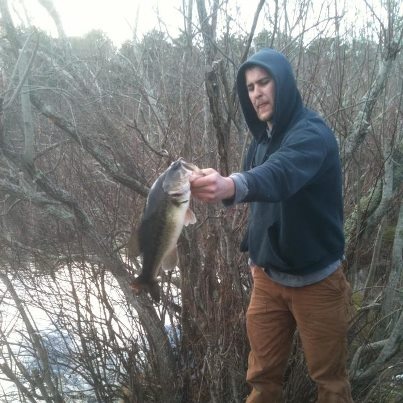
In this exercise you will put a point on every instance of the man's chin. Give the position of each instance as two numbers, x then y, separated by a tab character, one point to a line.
265	117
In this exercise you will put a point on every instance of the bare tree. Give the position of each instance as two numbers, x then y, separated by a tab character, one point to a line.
85	128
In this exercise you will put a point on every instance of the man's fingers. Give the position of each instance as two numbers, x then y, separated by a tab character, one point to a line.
208	171
205	178
196	175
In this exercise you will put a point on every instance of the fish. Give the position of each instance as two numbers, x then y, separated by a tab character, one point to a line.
165	214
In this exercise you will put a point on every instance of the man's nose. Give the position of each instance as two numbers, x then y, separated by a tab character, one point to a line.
257	92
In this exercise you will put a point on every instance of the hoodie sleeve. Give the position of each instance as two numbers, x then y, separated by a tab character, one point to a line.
241	190
298	160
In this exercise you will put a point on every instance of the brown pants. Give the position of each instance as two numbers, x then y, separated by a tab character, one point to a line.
321	313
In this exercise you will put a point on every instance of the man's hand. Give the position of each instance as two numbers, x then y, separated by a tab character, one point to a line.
210	187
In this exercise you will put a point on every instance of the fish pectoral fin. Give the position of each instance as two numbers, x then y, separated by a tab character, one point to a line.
170	260
190	217
133	246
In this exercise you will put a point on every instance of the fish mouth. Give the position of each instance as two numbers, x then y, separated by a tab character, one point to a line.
176	182
188	165
181	163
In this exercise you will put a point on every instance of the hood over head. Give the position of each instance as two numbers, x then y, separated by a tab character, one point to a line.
288	101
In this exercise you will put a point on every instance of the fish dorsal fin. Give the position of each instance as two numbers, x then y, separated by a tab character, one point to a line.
133	246
170	260
190	217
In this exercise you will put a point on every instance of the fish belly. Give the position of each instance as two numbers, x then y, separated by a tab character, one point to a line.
163	238
175	222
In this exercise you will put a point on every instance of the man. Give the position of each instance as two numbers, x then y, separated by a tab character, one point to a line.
292	180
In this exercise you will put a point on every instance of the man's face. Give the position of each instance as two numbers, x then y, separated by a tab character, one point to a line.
261	93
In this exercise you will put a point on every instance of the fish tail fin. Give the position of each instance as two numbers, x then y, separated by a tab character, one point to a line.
139	285
154	290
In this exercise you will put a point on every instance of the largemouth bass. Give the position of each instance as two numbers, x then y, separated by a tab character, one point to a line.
166	212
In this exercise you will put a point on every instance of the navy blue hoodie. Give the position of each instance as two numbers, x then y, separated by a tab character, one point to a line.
293	178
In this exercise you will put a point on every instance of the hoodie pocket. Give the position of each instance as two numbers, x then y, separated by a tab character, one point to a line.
278	259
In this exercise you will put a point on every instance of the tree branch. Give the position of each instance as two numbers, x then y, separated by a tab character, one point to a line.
110	167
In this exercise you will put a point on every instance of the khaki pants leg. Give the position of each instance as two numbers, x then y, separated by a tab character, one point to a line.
322	312
270	326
